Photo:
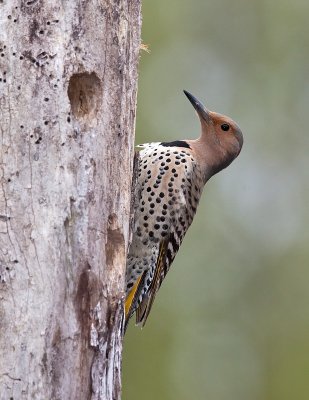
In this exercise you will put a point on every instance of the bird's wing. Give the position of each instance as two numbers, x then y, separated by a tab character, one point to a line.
167	251
144	308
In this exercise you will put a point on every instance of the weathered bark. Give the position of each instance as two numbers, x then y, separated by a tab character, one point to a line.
68	73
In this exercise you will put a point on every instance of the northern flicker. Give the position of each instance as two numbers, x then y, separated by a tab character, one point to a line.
170	182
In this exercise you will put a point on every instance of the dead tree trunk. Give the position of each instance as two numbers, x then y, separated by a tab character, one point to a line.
68	78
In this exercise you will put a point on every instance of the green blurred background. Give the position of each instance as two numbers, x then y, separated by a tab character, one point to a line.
231	321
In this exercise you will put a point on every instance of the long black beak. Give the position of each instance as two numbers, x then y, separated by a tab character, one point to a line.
202	112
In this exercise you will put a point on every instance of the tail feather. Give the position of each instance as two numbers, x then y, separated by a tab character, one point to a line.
131	300
144	308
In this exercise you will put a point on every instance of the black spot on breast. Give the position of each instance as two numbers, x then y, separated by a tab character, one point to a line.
176	143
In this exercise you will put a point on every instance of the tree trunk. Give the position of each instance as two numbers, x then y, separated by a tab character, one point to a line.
68	78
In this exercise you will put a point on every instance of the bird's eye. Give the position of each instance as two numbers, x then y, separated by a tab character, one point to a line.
225	127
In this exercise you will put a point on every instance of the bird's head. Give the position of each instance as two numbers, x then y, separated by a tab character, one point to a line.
221	138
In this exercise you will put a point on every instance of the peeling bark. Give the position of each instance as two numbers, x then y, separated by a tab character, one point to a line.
68	79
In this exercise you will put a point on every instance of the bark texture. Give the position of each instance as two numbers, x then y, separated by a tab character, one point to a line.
68	78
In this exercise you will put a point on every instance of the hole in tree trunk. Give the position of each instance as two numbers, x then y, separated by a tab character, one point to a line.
85	95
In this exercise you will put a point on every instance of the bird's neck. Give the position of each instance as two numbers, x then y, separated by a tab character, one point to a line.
210	155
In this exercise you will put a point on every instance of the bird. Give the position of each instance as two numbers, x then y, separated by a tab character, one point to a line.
170	181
